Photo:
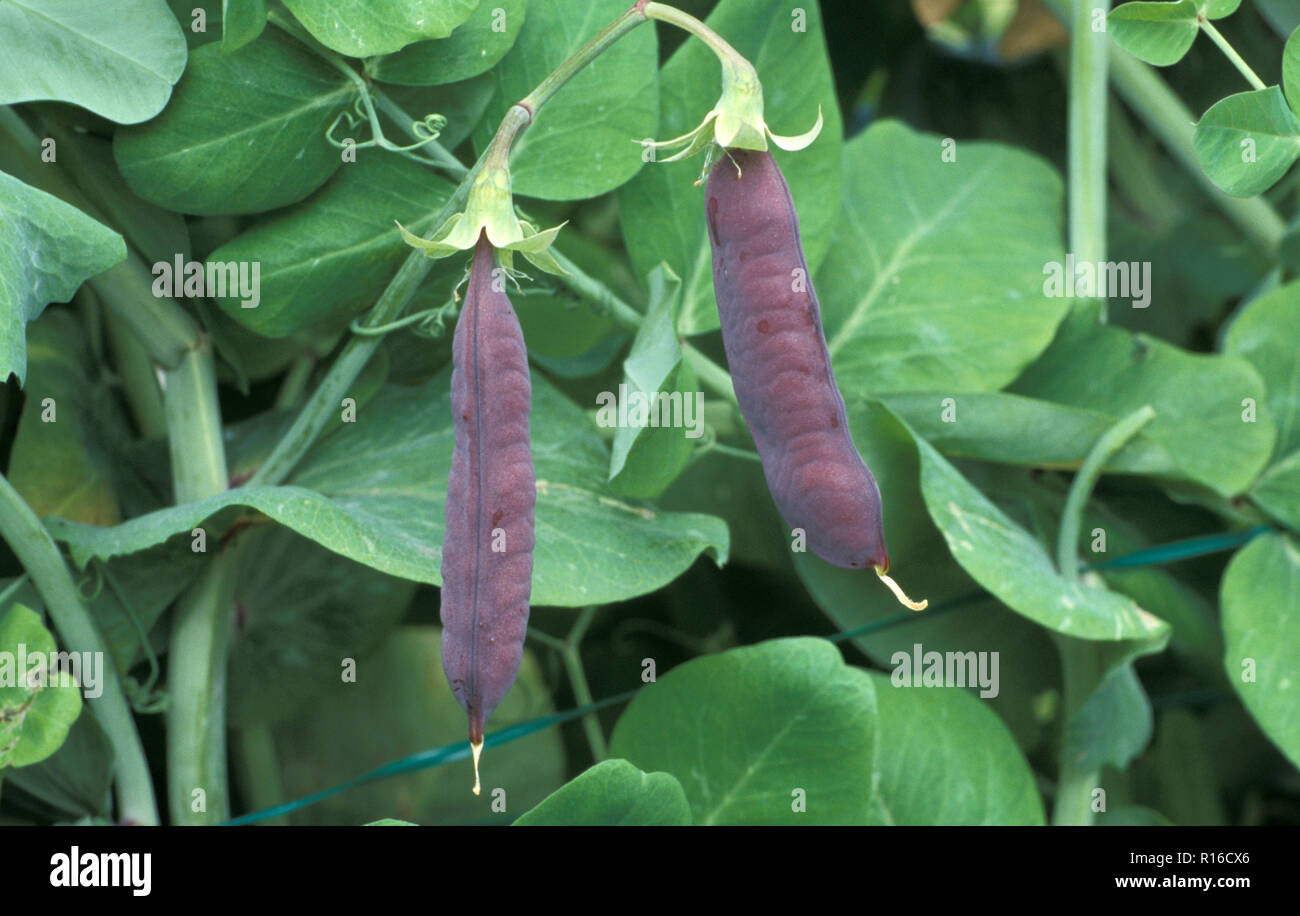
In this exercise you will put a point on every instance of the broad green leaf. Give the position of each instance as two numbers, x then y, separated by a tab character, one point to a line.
242	21
400	705
475	47
753	732
131	593
379	26
1247	141
244	133
1277	492
118	60
390	822
1112	726
1260	598
1201	424
935	275
37	705
581	143
329	258
1266	333
301	611
946	759
1158	33
47	250
374	492
661	211
647	457
613	794
63	456
1014	566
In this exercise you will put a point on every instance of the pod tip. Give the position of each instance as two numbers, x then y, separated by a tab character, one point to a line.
477	748
900	594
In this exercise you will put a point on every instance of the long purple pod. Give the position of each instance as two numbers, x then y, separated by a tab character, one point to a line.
772	332
487	549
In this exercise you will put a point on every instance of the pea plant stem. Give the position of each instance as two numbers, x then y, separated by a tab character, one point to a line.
1087	137
572	655
36	551
1115	438
196	746
1231	53
1080	674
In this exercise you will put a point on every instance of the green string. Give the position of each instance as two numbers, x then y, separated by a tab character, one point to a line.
1150	556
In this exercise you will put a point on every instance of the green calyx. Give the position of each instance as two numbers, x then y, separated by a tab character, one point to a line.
490	208
736	121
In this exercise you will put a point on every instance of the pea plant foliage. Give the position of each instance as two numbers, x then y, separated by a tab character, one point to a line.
535	412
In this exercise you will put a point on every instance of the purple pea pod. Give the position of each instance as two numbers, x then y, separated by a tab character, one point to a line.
772	332
487	549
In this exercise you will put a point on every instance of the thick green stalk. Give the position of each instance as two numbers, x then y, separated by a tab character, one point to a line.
197	782
196	746
36	551
139	380
1081	671
1087	140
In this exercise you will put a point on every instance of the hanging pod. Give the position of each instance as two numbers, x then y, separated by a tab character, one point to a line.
487	550
781	368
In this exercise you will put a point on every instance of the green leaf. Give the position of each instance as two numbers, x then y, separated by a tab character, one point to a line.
35	715
613	793
401	704
299	612
77	778
1198	399
328	259
1158	33
374	492
647	458
946	759
378	26
1014	566
1217	9
63	457
118	60
475	47
1247	141
1265	333
242	21
47	250
1278	491
753	732
1260	597
244	133
661	211
581	144
1112	726
938	284
390	822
